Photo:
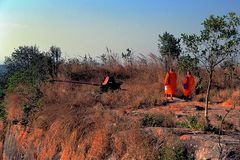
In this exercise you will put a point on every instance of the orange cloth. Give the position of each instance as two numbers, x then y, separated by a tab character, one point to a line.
191	82
105	80
170	84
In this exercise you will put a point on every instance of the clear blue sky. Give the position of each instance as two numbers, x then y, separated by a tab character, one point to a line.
89	26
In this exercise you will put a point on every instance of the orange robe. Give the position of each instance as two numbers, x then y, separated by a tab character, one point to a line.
170	84
191	82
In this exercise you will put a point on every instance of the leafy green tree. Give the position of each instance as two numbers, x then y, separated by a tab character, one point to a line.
27	69
169	48
55	53
27	65
187	63
3	80
218	41
229	68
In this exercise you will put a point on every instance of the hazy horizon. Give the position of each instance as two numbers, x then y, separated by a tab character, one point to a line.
89	26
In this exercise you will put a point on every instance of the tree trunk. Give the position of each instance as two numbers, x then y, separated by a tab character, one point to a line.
207	98
165	64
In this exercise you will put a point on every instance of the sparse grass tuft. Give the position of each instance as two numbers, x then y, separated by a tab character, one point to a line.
192	122
174	149
3	113
157	120
172	153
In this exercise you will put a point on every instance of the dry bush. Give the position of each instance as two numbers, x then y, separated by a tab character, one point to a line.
158	120
142	72
148	74
174	149
135	95
69	93
136	144
146	95
218	96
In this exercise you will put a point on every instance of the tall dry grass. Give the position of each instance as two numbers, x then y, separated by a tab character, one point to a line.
103	128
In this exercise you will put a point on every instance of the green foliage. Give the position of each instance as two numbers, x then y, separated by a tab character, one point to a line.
169	45
229	68
33	95
3	79
152	121
199	86
171	152
217	42
219	117
1	93
169	48
193	123
225	124
24	121
3	113
15	121
55	54
28	66
21	77
230	71
27	69
27	108
158	120
187	63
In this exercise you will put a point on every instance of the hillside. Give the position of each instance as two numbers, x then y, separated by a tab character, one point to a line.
134	123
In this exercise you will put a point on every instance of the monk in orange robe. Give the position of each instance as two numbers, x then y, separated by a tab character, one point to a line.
170	83
188	85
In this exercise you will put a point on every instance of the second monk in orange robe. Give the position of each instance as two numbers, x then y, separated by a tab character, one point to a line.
188	85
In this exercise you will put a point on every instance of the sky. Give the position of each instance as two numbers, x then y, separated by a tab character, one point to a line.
82	27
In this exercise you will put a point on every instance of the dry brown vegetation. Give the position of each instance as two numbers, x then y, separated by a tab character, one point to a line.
73	123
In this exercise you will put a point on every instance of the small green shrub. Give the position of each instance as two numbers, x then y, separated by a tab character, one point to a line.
175	152
149	101
228	125
219	117
3	113
146	102
193	123
15	121
27	108
199	86
158	120
24	121
225	124
1	93
152	121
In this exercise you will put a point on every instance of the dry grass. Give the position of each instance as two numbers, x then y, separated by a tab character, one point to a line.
79	126
103	128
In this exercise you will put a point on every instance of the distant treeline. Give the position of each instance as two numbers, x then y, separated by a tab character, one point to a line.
2	68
